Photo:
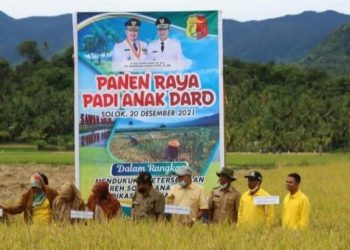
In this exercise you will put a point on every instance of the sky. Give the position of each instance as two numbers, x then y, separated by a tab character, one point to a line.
240	10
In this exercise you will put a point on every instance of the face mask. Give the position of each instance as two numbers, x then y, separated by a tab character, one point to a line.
141	190
254	189
222	187
183	183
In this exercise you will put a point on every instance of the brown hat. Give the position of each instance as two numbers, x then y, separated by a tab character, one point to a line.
174	143
227	172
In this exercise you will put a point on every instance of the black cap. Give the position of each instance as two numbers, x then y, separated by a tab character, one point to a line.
144	177
133	24
163	23
254	175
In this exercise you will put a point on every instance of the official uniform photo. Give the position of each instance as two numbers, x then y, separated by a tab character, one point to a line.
165	48
131	48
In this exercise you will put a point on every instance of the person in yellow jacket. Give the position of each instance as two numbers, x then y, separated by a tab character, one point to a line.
250	214
296	205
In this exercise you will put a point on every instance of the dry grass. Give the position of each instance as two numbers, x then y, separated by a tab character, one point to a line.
15	179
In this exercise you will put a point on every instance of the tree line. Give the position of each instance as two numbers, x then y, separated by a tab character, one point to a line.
268	107
278	108
37	98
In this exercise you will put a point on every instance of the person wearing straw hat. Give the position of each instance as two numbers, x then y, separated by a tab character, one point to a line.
187	194
224	200
172	151
165	48
69	198
130	49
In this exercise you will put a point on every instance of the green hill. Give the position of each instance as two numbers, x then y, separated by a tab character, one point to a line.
284	39
333	54
54	31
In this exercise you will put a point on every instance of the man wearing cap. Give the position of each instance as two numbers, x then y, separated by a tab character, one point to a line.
187	194
250	214
131	49
296	205
224	200
147	203
165	48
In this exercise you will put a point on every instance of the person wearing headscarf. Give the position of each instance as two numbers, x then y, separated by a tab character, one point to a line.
104	204
45	179
69	198
36	203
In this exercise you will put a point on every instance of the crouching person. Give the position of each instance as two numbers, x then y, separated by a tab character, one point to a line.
104	204
36	203
3	216
69	198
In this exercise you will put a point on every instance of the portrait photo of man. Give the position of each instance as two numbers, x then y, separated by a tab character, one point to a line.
164	48
131	49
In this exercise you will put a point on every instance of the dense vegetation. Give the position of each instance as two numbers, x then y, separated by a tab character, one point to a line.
269	107
37	98
333	54
274	107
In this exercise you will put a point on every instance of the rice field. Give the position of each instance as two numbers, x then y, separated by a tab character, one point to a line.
324	181
28	154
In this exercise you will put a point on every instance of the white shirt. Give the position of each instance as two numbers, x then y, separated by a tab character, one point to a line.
172	50
124	53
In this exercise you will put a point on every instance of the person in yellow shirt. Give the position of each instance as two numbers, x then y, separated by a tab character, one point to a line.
187	194
250	214
296	205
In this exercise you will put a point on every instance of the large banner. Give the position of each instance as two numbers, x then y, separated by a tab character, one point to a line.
148	97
